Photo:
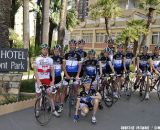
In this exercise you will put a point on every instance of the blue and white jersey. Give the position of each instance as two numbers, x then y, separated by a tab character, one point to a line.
143	61
128	61
57	61
156	60
90	67
72	60
118	60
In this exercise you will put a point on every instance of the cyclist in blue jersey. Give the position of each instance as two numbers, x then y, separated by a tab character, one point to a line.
118	63
57	61
155	62
144	66
81	52
105	63
87	100
129	58
90	67
72	68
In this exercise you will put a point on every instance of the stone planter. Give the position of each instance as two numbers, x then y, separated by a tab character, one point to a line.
17	106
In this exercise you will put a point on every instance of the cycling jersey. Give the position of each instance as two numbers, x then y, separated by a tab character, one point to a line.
143	62
57	61
156	60
83	55
85	97
106	69
118	61
128	61
43	66
90	67
72	60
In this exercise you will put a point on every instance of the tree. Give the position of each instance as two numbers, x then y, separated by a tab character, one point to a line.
5	6
62	24
152	6
107	9
71	19
38	11
26	36
45	21
26	24
54	18
131	33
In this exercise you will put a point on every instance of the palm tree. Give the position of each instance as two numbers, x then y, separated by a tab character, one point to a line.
71	19
53	18
131	33
152	6
5	6
45	21
62	24
107	9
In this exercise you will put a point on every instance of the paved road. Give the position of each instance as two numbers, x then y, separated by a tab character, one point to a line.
123	113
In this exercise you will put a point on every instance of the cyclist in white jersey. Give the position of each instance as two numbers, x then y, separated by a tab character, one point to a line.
43	66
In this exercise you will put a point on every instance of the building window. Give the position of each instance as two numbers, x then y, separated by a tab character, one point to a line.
156	38
100	37
74	36
87	37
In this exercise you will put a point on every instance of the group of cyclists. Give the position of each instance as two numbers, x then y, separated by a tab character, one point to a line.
80	65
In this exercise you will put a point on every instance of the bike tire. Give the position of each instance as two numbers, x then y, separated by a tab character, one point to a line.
43	105
108	96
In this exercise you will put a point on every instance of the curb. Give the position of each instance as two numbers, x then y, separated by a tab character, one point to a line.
17	106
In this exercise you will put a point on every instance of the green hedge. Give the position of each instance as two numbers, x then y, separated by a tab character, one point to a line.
28	86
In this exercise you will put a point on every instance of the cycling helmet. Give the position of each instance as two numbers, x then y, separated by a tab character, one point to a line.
72	41
81	41
130	46
87	80
44	46
107	50
157	47
92	51
57	47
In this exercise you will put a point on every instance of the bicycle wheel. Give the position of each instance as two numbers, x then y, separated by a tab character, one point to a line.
108	95
128	89
70	102
143	90
43	110
115	88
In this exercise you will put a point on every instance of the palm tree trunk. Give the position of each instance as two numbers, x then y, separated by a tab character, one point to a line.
26	23
5	6
62	25
45	21
107	28
12	19
149	21
135	47
109	39
126	43
26	29
51	28
38	27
